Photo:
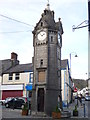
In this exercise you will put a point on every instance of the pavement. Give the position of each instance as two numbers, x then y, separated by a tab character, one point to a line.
43	118
70	108
82	110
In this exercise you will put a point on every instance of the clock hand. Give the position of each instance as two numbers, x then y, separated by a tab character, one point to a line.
42	34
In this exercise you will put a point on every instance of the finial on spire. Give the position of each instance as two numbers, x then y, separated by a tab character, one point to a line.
48	5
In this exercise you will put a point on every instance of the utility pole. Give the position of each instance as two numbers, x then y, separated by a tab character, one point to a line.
87	22
89	45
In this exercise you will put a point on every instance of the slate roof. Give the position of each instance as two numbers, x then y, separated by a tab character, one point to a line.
47	18
6	64
29	67
64	63
20	68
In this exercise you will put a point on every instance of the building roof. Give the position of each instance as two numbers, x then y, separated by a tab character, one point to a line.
88	79
64	64
29	67
20	68
47	18
7	64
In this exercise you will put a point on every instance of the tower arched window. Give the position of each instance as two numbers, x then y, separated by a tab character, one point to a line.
41	24
51	38
41	62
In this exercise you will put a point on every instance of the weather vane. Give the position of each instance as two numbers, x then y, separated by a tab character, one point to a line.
48	5
48	1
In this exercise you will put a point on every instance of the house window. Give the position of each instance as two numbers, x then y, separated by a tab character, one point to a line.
41	76
41	62
17	76
31	78
10	76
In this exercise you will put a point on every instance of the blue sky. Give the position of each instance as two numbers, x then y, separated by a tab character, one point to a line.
71	12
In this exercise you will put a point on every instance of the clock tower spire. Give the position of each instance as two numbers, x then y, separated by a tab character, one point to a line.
48	5
47	43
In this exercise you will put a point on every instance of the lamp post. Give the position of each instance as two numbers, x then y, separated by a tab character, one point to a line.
75	55
89	46
70	60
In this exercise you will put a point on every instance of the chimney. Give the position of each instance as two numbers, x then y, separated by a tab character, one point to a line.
13	56
14	60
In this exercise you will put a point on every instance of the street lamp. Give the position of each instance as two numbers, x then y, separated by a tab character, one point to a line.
75	55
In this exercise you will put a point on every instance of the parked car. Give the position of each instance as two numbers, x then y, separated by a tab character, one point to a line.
8	99
2	101
24	98
87	98
28	100
17	102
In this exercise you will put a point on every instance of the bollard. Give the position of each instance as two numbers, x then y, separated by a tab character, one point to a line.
83	102
84	110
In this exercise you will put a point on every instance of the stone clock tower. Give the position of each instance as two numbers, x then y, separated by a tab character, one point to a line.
47	43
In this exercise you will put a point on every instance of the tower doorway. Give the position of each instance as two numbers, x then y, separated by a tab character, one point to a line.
40	100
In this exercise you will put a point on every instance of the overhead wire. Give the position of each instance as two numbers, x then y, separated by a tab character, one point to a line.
15	32
18	22
15	20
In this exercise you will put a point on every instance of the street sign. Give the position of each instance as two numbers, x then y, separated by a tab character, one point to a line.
75	89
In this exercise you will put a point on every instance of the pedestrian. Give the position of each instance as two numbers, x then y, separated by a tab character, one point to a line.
81	99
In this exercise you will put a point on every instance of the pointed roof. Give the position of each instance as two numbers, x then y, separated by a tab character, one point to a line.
64	64
48	7
47	21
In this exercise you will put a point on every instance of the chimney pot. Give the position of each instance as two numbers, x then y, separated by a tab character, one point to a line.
14	56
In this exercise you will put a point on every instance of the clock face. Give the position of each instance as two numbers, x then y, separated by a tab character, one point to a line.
42	35
59	39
